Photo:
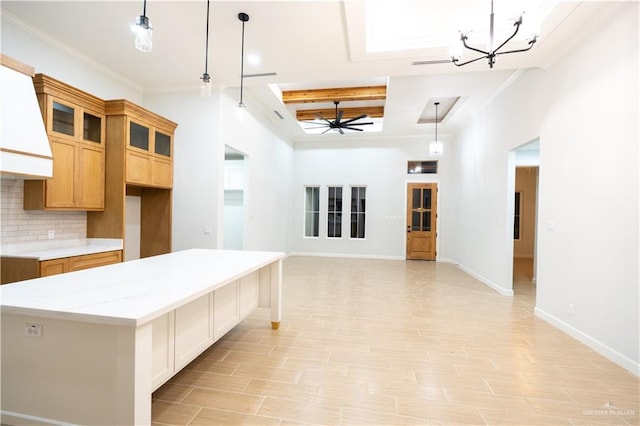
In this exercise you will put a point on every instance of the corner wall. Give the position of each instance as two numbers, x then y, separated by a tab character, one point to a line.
585	112
206	125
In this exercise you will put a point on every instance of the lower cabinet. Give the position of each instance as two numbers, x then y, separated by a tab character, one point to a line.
76	263
179	336
20	269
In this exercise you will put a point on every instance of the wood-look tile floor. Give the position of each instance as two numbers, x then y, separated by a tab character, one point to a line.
383	342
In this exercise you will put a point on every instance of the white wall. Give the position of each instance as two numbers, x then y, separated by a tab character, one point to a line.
588	195
380	166
197	148
269	175
51	57
206	125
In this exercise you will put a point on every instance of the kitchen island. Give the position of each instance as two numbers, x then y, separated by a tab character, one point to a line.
89	347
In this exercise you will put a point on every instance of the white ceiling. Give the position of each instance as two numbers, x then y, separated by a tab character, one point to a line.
312	44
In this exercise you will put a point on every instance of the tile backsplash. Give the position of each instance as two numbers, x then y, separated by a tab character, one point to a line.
26	226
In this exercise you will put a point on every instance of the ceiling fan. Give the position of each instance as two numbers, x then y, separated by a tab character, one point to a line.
338	124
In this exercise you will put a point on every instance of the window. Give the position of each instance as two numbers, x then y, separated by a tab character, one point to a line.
517	220
334	212
311	211
358	209
422	167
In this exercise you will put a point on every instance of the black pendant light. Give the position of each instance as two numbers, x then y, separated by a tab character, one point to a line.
243	17
435	147
205	87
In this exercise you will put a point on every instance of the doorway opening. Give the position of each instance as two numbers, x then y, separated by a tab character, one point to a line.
525	209
234	199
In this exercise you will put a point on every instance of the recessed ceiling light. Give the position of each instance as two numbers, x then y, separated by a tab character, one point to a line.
253	59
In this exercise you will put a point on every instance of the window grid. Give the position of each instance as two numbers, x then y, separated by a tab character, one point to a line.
334	212
358	211
312	211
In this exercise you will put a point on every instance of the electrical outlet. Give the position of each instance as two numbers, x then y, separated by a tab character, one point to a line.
570	308
33	330
51	234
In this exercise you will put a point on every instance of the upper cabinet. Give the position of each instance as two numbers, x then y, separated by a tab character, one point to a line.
147	140
75	122
140	159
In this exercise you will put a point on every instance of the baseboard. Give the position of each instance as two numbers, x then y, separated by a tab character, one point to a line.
604	350
17	419
486	281
346	255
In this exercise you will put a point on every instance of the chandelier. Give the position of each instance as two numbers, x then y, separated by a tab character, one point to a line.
491	53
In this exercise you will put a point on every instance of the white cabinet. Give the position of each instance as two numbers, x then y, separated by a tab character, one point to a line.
162	349
179	336
225	309
249	294
193	330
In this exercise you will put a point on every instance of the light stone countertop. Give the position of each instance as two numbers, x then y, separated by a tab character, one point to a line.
55	249
131	293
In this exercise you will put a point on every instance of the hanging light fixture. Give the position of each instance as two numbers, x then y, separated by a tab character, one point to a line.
435	147
143	31
492	53
244	18
205	86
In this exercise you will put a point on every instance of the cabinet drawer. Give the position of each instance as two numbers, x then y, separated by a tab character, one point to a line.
86	261
54	267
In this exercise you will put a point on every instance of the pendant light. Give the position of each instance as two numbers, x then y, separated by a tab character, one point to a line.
205	86
532	34
143	31
244	18
435	147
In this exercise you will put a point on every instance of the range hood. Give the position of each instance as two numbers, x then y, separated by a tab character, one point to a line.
24	147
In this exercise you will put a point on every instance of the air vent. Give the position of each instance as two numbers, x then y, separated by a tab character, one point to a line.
432	62
261	74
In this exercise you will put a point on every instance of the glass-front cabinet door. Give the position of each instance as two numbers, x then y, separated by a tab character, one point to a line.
138	136
92	128
63	118
162	144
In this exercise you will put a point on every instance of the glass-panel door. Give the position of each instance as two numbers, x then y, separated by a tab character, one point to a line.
421	221
421	209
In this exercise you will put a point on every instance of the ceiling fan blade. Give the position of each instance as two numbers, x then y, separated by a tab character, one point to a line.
351	128
367	123
340	130
339	116
321	118
354	119
329	128
315	127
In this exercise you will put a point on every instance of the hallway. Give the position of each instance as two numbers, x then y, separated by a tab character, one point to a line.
397	342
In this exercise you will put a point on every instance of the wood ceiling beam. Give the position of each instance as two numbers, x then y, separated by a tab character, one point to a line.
364	93
330	114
